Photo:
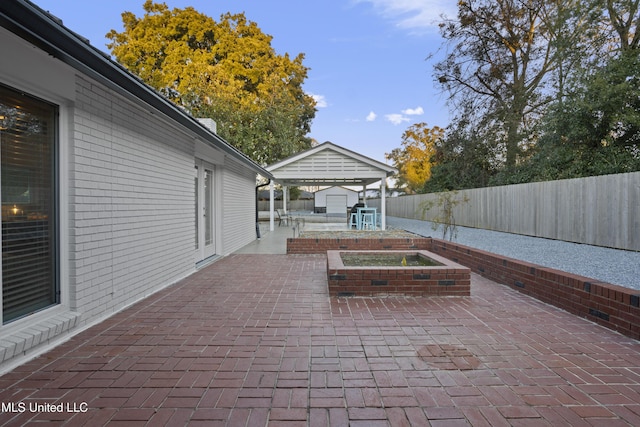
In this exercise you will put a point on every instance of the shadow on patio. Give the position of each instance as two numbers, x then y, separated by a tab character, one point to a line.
254	339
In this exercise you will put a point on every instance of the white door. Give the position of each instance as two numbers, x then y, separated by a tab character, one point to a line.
205	218
336	204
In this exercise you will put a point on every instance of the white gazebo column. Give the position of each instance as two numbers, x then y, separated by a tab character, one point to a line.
383	205
285	193
271	210
382	212
364	193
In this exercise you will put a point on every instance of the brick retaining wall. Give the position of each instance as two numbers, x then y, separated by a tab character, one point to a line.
319	246
612	306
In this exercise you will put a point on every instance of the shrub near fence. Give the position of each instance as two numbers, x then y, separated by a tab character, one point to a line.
600	210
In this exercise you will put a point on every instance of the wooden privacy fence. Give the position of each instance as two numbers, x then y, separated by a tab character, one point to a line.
602	210
292	205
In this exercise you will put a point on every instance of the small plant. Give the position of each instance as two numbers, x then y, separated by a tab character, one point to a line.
445	202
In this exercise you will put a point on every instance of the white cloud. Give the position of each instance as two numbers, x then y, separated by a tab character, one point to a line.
321	102
413	111
396	119
371	116
414	15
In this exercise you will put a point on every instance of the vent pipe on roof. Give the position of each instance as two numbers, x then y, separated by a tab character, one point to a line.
209	124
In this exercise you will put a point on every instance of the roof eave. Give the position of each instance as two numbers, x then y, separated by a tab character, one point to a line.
389	170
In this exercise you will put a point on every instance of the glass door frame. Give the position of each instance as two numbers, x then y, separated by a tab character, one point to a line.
205	217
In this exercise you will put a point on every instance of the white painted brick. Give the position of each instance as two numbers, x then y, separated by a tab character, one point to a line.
44	332
26	339
15	342
22	341
133	176
7	350
131	210
36	335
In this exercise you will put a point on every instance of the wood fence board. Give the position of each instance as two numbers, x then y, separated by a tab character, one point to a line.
602	210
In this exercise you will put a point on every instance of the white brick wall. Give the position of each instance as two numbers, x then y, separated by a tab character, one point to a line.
131	203
238	206
128	195
39	333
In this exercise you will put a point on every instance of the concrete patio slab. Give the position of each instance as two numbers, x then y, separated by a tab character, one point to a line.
255	340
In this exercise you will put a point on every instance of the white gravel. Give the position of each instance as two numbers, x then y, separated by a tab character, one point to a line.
614	266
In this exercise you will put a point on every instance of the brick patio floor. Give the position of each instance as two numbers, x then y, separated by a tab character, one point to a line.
255	340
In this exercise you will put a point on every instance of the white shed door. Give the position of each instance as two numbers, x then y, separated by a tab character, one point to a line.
336	203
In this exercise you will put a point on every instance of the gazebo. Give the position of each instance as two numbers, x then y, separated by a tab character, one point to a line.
328	164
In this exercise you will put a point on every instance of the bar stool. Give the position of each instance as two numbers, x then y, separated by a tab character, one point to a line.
353	220
368	221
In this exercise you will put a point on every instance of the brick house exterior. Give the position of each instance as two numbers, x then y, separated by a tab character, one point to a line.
141	193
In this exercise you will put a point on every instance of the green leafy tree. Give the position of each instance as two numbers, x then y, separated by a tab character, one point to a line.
464	156
224	70
506	57
594	128
595	131
624	19
294	193
542	89
415	158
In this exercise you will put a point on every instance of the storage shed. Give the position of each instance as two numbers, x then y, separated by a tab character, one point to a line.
334	200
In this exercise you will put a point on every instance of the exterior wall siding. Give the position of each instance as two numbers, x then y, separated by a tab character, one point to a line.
328	164
238	205
326	161
131	203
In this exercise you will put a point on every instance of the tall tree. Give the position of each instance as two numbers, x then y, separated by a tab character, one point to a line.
464	156
224	70
625	21
596	129
501	57
414	159
574	70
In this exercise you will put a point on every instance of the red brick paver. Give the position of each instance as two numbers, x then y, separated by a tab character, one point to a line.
255	340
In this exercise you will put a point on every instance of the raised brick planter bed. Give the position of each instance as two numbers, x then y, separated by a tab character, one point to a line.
612	306
448	279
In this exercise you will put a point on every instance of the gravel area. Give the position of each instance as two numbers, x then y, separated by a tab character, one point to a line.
609	265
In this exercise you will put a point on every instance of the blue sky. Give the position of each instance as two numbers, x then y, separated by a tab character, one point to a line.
368	58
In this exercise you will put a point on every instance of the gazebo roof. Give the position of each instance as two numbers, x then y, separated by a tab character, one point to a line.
329	164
